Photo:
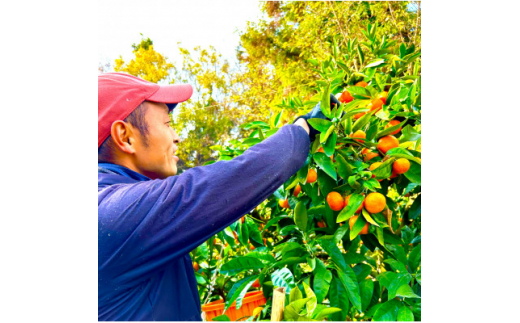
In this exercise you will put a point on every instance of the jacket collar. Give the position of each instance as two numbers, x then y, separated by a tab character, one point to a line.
109	168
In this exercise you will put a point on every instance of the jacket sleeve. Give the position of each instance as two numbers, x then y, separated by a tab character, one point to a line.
143	226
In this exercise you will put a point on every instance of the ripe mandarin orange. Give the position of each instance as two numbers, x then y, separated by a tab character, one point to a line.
376	105
335	201
382	96
370	156
321	224
393	123
365	151
345	97
297	190
386	143
283	203
352	221
196	266
360	207
359	134
362	84
401	166
394	174
375	202
312	176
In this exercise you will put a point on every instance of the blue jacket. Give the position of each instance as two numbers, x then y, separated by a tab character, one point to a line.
146	228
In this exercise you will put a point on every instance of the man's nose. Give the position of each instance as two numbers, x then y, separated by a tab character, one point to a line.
176	138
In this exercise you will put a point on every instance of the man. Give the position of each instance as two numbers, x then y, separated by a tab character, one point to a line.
148	219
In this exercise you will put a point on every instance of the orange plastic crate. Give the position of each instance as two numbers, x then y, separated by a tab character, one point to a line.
251	301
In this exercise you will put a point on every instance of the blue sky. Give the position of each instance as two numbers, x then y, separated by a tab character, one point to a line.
193	23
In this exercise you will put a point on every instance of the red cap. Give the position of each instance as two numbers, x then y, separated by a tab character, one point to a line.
119	94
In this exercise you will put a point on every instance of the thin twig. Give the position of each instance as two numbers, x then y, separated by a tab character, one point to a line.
393	20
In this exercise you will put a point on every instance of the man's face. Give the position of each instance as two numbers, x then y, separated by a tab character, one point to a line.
157	160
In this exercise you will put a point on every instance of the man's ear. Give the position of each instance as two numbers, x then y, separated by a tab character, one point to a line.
123	136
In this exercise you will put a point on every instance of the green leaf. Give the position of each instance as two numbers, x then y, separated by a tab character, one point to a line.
326	165
325	135
238	291
283	278
358	226
326	312
240	264
409	134
398	152
358	90
319	124
338	298
404	314
387	311
361	56
414	173
363	121
406	291
389	130
414	259
396	265
344	168
384	170
295	295
352	289
347	212
325	102
300	216
362	271
330	145
367	217
243	234
380	236
322	279
415	209
375	63
372	184
223	317
312	302
265	257
292	311
366	290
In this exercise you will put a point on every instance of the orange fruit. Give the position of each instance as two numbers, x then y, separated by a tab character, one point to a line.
284	204
265	242
335	201
370	156
386	143
365	151
215	241
345	97
394	174
252	247
360	207
393	123
374	166
321	224
196	266
376	105
297	190
382	96
243	219
375	202
312	176
362	84
401	166
359	134
352	221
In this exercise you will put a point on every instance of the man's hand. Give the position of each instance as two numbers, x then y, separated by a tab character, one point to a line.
302	123
316	113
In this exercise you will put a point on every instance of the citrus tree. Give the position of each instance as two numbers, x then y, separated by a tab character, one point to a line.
343	234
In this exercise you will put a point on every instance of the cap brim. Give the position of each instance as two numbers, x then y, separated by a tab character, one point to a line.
171	94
